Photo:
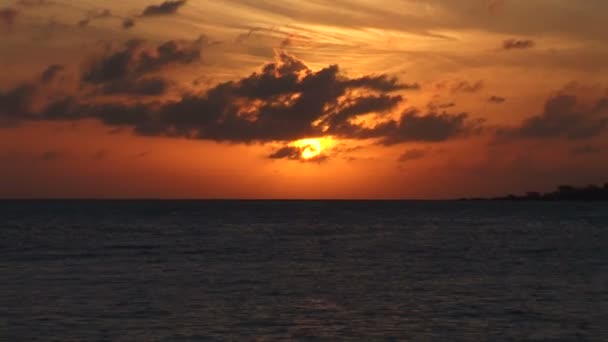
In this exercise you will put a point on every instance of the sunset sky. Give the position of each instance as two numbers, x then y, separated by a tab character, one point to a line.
420	99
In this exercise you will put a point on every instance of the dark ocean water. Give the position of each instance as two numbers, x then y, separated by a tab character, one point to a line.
312	270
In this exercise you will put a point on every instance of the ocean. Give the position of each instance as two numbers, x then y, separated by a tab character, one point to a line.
303	270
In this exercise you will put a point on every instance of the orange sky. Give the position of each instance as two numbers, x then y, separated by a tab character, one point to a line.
209	98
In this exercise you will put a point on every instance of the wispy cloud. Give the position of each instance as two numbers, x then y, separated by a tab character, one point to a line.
165	8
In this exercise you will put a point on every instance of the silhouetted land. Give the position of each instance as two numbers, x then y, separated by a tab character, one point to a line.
562	193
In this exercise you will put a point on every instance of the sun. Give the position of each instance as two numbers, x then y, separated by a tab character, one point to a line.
311	148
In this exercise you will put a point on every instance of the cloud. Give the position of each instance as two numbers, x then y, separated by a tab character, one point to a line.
123	71
586	150
49	74
8	16
165	8
133	61
287	152
415	154
295	153
15	103
497	99
563	116
284	101
286	42
519	44
466	87
94	15
382	83
128	23
143	87
434	106
112	67
431	127
362	105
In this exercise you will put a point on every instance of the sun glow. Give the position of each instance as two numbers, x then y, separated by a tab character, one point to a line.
312	148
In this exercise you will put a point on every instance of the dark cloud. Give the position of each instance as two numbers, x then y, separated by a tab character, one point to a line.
128	23
586	150
165	8
280	103
8	16
414	154
431	127
295	153
446	105
363	105
284	101
112	67
381	83
512	44
497	99
111	114
563	116
134	60
50	73
143	87
434	106
171	52
287	152
467	87
123	71
286	42
15	103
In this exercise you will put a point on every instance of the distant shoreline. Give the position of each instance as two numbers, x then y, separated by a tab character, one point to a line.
590	193
564	193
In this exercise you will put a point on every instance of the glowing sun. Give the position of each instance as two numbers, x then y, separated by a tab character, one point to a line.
311	148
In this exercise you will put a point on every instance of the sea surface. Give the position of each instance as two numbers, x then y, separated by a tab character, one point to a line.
303	270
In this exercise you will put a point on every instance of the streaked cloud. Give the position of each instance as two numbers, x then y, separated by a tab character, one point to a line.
413	154
165	8
497	99
518	44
